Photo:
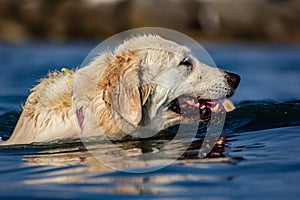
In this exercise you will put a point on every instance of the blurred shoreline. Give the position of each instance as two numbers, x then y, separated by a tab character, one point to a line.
71	20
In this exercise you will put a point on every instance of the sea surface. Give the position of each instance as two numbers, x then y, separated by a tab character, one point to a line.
257	155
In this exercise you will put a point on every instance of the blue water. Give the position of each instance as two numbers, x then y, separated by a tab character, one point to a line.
258	157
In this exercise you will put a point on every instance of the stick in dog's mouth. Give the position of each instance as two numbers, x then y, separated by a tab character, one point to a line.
193	108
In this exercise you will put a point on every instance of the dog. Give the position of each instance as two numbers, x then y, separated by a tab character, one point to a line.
147	81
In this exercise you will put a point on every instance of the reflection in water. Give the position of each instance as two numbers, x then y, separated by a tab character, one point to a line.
67	168
67	165
71	163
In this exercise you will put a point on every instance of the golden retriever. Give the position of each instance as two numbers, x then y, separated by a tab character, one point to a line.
147	81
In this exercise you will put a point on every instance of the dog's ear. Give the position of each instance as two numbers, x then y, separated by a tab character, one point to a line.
128	96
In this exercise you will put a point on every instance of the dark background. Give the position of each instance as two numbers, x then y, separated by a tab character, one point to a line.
64	20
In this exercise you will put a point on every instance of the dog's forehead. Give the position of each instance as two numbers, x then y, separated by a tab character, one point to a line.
153	43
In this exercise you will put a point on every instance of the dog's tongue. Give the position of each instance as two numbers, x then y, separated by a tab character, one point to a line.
214	106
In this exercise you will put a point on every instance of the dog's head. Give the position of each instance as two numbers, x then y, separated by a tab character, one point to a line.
152	81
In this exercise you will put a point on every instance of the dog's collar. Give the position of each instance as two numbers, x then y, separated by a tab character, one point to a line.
69	72
79	114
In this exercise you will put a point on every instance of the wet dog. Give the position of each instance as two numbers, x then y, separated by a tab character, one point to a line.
147	81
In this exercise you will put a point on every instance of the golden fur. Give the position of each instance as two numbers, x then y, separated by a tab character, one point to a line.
119	92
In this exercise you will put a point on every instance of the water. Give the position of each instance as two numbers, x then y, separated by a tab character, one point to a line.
257	156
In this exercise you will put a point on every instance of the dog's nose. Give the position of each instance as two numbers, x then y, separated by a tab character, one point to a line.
233	79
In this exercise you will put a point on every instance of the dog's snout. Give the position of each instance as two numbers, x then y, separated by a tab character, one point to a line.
233	79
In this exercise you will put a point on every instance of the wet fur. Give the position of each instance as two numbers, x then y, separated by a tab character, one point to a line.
117	92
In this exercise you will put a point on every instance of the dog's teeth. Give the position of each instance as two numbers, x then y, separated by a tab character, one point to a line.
202	107
217	107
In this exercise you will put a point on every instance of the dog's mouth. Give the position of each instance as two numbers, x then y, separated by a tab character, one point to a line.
192	108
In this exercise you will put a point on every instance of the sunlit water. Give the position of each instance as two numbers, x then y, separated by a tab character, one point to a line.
257	156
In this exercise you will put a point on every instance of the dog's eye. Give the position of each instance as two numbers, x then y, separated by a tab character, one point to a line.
186	66
186	61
